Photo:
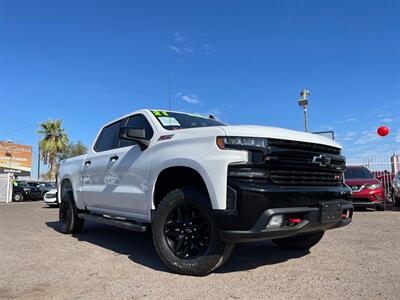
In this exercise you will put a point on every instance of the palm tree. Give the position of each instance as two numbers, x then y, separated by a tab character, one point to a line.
54	142
72	150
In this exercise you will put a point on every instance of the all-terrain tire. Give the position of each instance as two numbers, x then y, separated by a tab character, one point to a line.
301	242
69	222
193	204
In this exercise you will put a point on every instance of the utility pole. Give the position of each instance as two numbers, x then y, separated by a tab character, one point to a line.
303	102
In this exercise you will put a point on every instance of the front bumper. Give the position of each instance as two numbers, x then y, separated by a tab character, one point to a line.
368	198
252	204
50	200
310	222
360	204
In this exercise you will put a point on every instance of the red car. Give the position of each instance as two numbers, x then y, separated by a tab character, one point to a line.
367	191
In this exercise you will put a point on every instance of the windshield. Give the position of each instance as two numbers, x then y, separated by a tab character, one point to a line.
361	172
173	120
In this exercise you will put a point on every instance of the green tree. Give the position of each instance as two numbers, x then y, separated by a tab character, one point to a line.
73	149
53	143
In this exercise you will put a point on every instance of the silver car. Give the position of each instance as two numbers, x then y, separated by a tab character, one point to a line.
50	198
396	190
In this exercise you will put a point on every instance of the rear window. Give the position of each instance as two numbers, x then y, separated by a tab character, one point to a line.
361	172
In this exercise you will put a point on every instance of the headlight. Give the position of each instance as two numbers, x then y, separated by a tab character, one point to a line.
237	142
373	186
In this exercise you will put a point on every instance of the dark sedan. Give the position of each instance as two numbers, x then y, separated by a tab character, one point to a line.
43	186
23	191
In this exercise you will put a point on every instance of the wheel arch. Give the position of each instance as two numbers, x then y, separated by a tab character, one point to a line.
173	177
65	187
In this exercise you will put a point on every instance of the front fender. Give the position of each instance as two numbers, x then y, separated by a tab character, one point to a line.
213	168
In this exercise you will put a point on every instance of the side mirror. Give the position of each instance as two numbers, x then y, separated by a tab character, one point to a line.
136	134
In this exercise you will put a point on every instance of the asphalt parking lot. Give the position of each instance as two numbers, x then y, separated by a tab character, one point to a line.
36	262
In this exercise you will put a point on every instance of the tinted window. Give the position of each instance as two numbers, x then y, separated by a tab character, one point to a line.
137	121
357	173
21	183
173	120
108	137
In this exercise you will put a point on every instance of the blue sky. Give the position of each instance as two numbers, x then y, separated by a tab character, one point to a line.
87	62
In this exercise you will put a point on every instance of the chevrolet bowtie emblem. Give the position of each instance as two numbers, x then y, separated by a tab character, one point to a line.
322	160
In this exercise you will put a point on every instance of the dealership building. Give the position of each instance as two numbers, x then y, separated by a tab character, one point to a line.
15	160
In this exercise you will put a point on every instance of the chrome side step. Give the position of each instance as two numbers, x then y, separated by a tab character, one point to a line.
125	224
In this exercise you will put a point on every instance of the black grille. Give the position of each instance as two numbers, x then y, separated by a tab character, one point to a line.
303	146
290	163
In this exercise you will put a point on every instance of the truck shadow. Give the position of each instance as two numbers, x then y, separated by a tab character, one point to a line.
139	249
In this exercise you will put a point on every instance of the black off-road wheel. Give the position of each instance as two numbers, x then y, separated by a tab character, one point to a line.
69	222
301	242
17	197
185	235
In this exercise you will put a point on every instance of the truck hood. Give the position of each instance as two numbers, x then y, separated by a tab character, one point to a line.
278	133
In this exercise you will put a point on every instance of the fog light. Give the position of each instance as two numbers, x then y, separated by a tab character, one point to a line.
276	221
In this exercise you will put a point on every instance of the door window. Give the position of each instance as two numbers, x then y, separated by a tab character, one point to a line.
108	137
137	121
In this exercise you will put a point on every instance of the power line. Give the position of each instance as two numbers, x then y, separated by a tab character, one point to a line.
19	129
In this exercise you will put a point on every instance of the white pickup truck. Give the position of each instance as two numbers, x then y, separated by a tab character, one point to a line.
201	186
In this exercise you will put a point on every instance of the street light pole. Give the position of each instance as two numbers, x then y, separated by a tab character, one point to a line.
305	119
303	102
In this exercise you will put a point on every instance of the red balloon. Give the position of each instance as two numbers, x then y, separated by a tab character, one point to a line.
383	131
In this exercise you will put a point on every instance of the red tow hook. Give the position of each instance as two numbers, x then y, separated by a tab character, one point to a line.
294	221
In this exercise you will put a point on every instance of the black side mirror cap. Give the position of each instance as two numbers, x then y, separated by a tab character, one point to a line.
136	134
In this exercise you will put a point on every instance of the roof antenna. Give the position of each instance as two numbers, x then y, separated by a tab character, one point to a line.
169	90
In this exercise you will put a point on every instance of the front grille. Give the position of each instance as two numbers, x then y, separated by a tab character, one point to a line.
303	146
290	163
355	188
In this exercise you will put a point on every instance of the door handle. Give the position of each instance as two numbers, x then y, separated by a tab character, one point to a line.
114	157
88	162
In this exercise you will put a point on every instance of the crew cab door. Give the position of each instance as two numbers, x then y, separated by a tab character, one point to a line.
116	172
